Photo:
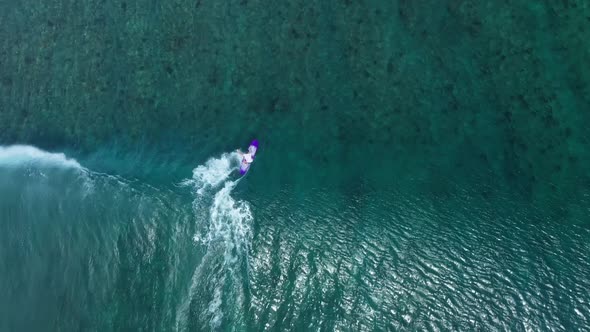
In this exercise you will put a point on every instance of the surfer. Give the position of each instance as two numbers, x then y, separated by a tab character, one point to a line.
246	157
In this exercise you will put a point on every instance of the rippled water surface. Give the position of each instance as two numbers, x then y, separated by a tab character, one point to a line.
211	251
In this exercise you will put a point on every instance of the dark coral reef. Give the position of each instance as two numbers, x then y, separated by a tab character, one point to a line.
490	85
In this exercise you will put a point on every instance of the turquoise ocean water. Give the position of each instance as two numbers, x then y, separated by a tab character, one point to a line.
423	166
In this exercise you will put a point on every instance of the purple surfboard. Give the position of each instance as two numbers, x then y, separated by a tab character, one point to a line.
244	166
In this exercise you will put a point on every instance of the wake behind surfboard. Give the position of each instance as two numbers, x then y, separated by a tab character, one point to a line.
244	166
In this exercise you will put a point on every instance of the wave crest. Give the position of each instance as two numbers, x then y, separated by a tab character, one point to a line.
19	155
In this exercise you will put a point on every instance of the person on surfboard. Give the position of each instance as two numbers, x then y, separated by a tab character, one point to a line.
246	157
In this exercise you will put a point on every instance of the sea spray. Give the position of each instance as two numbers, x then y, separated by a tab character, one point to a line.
19	162
19	155
212	173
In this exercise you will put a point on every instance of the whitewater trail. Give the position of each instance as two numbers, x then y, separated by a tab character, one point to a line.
224	229
223	224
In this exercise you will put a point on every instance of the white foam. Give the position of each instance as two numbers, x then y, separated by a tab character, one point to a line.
229	220
18	155
215	309
225	231
213	173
